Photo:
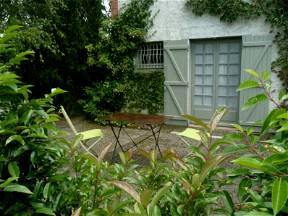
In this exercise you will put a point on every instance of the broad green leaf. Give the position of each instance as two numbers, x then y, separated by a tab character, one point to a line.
45	211
271	118
26	117
235	148
255	196
156	211
248	84
12	28
8	181
283	128
157	197
196	120
266	75
283	97
279	194
221	141
56	91
20	57
145	197
249	162
13	169
284	115
277	158
128	189
252	73
138	208
46	190
17	188
17	138
254	100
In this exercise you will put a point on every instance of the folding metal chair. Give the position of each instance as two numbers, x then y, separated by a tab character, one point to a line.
85	135
189	133
192	134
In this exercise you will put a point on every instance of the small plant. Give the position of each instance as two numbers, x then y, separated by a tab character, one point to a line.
263	185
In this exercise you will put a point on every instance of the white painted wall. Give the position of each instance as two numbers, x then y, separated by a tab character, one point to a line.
174	21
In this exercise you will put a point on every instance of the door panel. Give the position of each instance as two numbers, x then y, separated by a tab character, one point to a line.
257	55
215	77
176	73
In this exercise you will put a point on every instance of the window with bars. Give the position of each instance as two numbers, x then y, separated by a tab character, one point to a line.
150	56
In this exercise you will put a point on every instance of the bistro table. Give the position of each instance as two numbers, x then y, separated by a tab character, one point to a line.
153	122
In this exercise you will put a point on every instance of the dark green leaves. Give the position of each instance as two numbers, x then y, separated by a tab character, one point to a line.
13	169
17	188
16	138
45	211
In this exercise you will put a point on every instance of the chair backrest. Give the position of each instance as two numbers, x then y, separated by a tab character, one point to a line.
68	120
85	135
191	133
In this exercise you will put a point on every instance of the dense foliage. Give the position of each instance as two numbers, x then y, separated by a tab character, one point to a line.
41	173
120	39
275	12
79	49
142	92
31	147
57	31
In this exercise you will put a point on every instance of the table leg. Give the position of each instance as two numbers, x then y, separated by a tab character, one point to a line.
134	143
117	139
156	137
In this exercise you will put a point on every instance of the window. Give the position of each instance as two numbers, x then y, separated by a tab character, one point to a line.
150	56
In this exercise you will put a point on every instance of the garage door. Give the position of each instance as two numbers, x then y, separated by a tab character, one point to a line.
215	77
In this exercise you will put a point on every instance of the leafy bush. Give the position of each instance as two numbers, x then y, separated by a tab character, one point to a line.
263	185
114	53
144	91
42	173
31	146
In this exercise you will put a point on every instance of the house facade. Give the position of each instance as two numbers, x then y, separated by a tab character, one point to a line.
204	61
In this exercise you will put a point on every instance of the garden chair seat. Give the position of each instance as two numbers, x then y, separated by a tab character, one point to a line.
86	136
191	133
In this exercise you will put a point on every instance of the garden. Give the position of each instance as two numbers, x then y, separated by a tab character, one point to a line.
48	57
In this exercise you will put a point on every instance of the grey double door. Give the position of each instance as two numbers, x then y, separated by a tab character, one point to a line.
216	66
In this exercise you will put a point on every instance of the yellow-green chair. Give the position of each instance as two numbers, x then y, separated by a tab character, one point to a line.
193	134
85	135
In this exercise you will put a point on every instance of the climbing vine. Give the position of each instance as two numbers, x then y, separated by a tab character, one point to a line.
275	12
117	85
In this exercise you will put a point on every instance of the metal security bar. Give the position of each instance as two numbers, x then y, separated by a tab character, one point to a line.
150	56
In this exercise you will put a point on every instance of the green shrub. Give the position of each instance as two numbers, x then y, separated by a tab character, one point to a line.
263	171
31	146
146	92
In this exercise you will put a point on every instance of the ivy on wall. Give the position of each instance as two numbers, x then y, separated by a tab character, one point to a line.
118	87
146	92
275	12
